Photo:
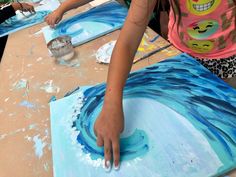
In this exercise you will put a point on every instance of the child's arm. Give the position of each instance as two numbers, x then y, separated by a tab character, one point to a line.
110	122
56	16
8	10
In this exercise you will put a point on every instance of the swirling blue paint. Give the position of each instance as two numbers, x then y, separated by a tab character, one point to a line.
93	23
194	93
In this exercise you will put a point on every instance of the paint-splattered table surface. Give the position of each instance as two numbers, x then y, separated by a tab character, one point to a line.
29	77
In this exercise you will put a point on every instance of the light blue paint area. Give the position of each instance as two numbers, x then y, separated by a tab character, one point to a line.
90	25
186	114
38	146
19	21
27	104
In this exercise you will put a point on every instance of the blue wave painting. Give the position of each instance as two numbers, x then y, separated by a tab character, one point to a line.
180	120
20	21
90	25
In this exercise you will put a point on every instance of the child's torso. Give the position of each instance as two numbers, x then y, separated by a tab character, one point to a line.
207	28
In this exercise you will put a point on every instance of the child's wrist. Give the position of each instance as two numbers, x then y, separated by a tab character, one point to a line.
60	10
113	98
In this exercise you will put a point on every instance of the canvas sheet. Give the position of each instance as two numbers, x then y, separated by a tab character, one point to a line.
180	120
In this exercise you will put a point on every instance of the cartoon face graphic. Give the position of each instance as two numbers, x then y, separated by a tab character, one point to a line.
202	29
200	46
202	7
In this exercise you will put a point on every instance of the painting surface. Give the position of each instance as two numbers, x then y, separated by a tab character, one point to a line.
180	120
89	25
22	21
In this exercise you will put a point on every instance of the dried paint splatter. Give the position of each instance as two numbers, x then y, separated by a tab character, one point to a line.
72	63
46	166
39	59
27	104
49	87
6	99
20	84
38	146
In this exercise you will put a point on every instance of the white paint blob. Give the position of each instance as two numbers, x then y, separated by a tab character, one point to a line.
38	146
49	87
103	54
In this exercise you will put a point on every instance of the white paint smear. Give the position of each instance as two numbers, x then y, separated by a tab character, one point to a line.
103	54
38	146
49	87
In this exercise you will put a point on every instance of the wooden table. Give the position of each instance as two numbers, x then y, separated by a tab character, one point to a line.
25	143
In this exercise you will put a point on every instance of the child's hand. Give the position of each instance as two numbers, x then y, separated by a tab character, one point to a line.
108	127
27	8
23	7
53	18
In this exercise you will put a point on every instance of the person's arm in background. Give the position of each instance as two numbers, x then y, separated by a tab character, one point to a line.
55	17
110	122
8	10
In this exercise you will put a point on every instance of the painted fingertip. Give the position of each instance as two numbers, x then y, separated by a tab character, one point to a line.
108	166
117	167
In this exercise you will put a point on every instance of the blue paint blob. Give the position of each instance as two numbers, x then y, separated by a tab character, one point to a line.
27	104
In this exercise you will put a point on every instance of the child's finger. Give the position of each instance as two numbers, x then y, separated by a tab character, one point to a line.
100	140
107	153
116	152
57	21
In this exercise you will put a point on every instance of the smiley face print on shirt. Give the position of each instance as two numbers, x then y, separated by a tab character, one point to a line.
202	7
203	46
202	29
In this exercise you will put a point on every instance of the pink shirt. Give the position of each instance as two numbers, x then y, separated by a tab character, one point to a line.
207	28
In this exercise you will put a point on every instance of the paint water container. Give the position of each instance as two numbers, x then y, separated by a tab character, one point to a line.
61	48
